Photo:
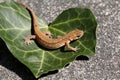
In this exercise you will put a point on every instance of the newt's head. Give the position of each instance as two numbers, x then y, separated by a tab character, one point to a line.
76	34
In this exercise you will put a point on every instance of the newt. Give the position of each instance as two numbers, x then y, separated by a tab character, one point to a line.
48	42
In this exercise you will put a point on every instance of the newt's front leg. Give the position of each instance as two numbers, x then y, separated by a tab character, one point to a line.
67	44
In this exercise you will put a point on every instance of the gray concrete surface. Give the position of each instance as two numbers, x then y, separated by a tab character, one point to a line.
104	66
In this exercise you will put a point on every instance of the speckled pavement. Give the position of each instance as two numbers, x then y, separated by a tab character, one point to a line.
104	66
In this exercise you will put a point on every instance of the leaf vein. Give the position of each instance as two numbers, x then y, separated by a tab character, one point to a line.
68	21
54	56
42	61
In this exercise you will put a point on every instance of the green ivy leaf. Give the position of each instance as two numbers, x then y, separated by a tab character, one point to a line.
15	25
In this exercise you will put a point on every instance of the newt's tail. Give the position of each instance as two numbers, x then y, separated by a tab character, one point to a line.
34	18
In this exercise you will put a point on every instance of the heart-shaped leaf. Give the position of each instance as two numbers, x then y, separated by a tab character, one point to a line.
15	25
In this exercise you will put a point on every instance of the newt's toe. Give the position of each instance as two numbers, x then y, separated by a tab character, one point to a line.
27	41
75	49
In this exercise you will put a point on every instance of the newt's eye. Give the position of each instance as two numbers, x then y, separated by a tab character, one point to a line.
78	36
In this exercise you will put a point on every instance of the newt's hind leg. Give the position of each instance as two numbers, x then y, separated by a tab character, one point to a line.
29	38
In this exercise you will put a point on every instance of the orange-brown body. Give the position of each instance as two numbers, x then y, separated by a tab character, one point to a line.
50	43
